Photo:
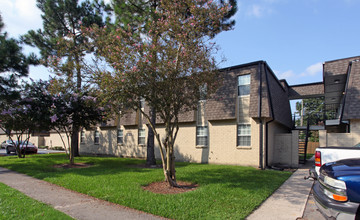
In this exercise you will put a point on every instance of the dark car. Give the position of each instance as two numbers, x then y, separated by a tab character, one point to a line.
25	147
337	191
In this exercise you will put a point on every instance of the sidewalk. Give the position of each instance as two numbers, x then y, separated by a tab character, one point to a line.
289	201
76	205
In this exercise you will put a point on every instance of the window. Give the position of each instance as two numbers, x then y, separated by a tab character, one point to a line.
244	135
82	136
244	85
120	136
96	137
141	136
202	135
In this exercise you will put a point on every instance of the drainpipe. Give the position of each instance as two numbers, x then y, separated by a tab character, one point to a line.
268	122
261	156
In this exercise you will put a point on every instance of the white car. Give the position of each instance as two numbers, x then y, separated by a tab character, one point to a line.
25	147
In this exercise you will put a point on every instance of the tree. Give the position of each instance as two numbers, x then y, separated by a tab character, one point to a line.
69	110
141	13
13	64
166	67
313	112
63	46
27	114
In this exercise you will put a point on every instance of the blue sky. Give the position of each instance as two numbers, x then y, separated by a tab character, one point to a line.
293	36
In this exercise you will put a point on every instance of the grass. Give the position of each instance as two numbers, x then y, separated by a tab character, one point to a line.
224	192
16	205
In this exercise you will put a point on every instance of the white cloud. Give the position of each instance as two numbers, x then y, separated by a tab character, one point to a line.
314	71
258	8
287	74
255	11
20	16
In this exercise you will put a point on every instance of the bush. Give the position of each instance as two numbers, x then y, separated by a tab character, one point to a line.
57	148
43	147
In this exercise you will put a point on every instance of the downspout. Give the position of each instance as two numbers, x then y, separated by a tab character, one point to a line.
261	147
268	122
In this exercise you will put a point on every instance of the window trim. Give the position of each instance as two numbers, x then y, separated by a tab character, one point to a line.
96	137
199	136
122	136
242	135
82	137
142	129
247	84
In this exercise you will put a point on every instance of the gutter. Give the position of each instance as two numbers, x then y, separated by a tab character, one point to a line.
261	122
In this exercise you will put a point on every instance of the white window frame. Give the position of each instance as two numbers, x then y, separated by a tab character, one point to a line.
96	137
141	136
202	135
82	136
243	80
120	136
243	135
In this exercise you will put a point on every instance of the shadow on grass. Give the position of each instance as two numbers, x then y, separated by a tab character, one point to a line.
42	167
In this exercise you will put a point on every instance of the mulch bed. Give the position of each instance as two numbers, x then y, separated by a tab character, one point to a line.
75	165
164	188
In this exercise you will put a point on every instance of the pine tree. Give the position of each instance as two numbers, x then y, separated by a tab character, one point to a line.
13	64
63	46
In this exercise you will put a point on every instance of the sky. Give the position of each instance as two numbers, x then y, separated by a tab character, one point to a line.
294	37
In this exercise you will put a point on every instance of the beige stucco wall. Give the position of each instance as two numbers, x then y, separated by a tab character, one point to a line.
275	152
54	140
108	143
222	147
341	139
286	151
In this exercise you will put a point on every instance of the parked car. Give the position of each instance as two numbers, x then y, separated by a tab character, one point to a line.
330	154
337	191
6	143
25	147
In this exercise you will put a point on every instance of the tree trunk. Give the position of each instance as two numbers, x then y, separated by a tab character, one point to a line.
150	158
75	141
74	147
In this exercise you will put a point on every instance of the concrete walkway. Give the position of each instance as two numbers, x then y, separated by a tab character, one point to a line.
76	205
289	201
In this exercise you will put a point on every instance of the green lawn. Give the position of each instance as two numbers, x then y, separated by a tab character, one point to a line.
16	205
224	192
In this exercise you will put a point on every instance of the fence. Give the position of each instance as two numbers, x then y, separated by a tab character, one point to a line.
311	147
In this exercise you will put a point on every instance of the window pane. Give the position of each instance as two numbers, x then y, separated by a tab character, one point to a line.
120	134
244	135
244	85
202	135
96	137
141	137
82	137
244	80
243	90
